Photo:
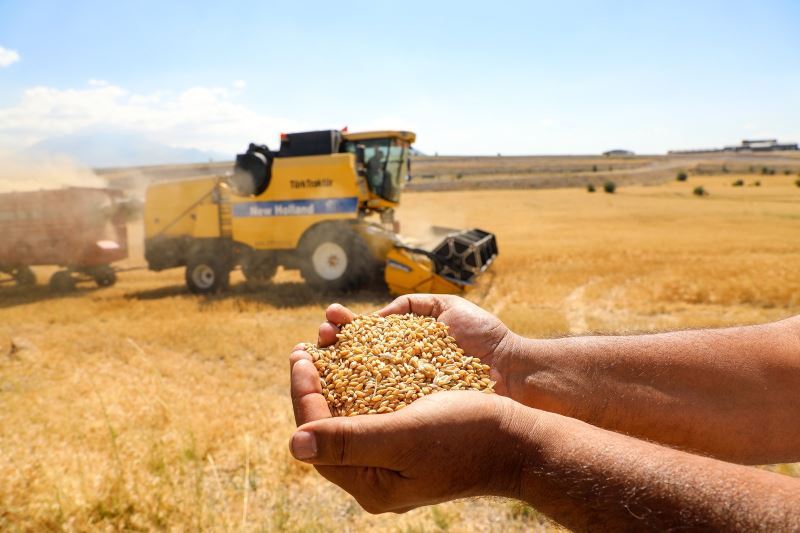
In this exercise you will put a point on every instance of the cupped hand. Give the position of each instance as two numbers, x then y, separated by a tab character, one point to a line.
443	446
478	332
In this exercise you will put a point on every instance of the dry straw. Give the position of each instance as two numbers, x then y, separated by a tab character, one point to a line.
382	364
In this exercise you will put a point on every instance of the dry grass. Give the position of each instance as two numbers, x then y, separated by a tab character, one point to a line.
143	406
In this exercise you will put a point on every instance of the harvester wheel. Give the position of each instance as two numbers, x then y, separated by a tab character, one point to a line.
62	281
24	276
335	258
104	276
206	274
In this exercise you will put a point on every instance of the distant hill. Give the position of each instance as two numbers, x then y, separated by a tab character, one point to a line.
101	148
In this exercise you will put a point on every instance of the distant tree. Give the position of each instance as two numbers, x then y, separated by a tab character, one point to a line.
757	183
724	169
739	183
699	191
594	168
609	187
682	176
590	187
797	182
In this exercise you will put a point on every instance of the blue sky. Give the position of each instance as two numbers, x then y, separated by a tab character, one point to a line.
468	77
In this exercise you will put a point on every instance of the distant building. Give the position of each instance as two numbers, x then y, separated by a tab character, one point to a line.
761	145
618	153
747	145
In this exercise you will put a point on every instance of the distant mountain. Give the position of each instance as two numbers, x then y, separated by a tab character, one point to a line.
103	148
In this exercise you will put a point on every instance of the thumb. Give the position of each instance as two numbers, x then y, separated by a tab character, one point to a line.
367	440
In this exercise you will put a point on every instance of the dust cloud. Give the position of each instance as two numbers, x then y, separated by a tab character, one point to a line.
19	173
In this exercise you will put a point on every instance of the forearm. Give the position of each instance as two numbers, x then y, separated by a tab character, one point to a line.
727	392
589	478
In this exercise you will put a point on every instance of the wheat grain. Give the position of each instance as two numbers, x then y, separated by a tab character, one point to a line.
382	364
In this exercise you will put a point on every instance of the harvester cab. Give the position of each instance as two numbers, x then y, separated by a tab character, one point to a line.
311	205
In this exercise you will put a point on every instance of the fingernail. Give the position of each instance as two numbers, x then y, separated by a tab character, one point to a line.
304	445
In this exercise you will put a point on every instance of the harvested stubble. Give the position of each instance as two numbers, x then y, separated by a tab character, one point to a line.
382	364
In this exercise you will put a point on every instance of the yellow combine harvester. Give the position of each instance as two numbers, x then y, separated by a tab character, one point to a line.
309	206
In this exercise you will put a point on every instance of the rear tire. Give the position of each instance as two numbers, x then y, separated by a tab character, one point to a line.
335	257
62	281
24	276
207	274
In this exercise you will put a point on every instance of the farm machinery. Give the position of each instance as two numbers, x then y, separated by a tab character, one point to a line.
324	203
81	230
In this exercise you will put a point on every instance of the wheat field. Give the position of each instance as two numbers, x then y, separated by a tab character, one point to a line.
144	407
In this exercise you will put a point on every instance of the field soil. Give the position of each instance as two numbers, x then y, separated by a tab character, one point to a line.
143	406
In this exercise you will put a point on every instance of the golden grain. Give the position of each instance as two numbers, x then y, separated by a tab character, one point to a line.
409	356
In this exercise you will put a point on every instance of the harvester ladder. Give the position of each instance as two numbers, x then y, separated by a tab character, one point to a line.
225	214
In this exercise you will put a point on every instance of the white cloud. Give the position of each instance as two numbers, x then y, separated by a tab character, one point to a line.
7	57
239	84
97	83
207	118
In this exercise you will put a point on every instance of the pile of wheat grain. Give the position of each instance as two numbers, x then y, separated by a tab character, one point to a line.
382	364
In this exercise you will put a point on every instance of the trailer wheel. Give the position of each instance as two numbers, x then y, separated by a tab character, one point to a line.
24	276
104	276
335	257
62	281
207	274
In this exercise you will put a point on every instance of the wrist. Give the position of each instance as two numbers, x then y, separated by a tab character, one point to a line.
517	446
523	368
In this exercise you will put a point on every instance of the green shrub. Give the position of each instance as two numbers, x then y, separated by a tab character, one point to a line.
757	183
699	191
594	168
590	187
740	183
609	187
682	176
797	182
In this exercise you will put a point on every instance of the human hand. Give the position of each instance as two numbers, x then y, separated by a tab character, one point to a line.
443	446
478	332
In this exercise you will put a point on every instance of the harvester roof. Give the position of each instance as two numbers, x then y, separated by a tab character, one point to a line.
408	136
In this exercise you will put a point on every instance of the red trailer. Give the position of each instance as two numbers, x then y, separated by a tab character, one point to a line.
80	229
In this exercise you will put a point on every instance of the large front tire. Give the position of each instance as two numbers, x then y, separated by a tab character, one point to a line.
335	257
206	274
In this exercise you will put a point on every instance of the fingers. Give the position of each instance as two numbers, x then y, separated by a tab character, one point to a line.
298	352
338	314
327	334
307	399
352	441
421	304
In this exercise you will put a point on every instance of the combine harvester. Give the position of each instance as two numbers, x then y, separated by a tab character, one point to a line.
308	206
82	230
